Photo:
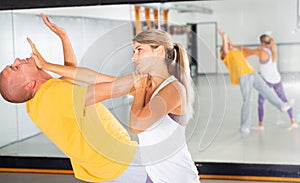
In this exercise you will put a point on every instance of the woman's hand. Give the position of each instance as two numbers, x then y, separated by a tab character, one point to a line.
39	60
53	27
142	82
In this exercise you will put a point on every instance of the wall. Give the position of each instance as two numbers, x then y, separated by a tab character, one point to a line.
124	12
245	20
8	121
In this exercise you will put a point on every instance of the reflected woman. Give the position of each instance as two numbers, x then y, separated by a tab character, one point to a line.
269	71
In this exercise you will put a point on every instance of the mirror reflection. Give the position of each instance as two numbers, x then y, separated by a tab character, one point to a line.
102	40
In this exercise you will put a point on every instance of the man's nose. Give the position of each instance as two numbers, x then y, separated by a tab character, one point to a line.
16	62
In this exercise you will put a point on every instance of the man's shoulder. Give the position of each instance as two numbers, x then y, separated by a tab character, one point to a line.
55	88
56	82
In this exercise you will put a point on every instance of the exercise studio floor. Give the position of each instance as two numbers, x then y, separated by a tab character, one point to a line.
213	135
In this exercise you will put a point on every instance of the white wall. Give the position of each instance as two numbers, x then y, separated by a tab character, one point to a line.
245	20
114	12
8	121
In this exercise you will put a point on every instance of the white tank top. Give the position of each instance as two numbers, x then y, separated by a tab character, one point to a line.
164	151
268	69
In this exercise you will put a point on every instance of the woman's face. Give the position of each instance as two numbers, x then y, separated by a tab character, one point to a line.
266	42
144	56
142	50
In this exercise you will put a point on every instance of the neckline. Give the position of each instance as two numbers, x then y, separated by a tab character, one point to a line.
163	84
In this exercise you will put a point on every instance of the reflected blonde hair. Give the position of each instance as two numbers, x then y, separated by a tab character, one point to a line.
268	39
176	59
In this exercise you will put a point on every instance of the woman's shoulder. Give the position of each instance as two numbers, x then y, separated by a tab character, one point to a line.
174	89
175	94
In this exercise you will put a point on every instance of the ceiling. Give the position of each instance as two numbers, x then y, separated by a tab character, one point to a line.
28	4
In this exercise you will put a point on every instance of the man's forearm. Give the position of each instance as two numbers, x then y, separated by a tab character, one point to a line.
69	55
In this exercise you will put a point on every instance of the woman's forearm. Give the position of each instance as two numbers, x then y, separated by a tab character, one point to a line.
79	73
247	51
106	90
138	102
136	109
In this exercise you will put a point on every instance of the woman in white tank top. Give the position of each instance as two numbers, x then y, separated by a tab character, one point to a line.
162	107
269	71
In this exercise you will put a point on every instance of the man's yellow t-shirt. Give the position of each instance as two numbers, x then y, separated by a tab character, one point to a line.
98	146
237	65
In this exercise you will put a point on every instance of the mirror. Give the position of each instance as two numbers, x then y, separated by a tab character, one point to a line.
213	134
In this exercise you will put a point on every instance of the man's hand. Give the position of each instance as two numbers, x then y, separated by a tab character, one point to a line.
39	60
53	27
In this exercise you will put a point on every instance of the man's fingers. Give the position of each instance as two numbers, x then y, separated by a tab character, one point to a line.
35	57
33	48
45	19
31	44
49	24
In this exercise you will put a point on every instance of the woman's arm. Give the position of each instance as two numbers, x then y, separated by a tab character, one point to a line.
259	52
103	86
138	103
106	90
246	51
80	74
171	99
75	73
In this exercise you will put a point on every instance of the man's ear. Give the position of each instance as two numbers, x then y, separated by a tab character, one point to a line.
29	85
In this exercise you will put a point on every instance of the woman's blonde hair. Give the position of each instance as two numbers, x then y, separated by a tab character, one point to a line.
269	40
176	59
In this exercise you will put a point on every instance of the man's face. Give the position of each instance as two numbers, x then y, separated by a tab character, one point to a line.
20	69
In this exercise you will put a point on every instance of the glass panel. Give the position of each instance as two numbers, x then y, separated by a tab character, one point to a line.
101	37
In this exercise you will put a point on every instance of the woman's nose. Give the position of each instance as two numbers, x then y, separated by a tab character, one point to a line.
133	58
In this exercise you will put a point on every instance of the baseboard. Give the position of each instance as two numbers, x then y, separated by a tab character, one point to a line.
207	170
50	163
247	171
